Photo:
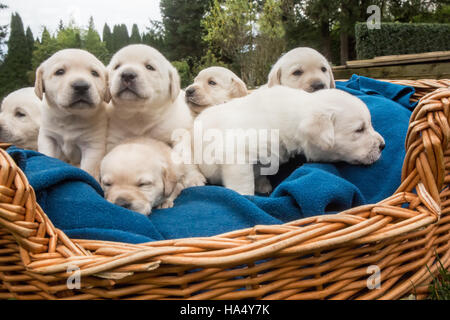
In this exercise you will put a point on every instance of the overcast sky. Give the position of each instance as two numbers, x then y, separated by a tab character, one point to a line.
37	13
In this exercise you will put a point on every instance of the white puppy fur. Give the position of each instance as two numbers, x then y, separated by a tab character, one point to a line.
302	68
149	179
328	125
212	86
20	118
146	100
74	121
146	96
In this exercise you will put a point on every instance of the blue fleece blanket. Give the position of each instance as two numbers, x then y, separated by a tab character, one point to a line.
73	199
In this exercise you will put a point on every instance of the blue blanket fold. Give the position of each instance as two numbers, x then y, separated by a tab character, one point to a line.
73	200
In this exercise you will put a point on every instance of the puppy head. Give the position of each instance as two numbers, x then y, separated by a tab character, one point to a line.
20	118
73	80
212	86
138	175
141	76
302	68
341	130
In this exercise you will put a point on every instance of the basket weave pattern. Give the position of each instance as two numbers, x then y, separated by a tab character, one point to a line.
323	257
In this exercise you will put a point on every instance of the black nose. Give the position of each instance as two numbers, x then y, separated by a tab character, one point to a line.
382	145
80	86
123	203
128	76
190	92
317	85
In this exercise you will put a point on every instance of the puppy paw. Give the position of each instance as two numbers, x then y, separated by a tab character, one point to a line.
262	185
166	204
194	180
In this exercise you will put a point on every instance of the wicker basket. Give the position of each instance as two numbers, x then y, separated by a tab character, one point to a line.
323	257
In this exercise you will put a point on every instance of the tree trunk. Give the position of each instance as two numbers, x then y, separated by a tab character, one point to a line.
326	39
344	46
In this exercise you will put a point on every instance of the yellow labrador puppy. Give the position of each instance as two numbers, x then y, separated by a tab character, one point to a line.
20	118
302	68
212	86
149	180
146	96
328	125
73	84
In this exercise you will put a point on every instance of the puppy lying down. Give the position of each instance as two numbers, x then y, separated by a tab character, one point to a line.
326	126
140	175
20	118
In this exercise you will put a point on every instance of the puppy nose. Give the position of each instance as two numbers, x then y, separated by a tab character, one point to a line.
318	85
123	203
190	92
80	86
128	76
382	145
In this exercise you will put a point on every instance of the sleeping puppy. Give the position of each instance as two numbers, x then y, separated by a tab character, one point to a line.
302	68
146	96
74	121
329	125
20	118
212	86
149	180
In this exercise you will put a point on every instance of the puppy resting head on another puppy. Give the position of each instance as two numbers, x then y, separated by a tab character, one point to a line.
140	76
146	181
20	118
302	68
212	86
74	82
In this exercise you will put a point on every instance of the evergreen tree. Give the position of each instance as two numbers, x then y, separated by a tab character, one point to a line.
13	72
154	37
120	37
135	35
107	38
183	30
94	44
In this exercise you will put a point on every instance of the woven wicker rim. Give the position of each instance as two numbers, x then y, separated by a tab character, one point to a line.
322	257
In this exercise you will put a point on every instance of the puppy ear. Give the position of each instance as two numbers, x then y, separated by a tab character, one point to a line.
330	71
107	93
274	77
174	83
39	87
239	88
319	130
170	181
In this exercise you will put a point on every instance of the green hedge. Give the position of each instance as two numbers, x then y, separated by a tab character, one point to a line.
401	38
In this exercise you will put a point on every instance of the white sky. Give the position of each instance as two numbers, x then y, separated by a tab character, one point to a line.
37	13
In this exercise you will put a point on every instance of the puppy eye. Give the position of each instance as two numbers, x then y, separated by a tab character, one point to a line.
297	73
144	184
19	114
60	72
150	67
117	67
107	184
324	69
361	129
212	83
95	73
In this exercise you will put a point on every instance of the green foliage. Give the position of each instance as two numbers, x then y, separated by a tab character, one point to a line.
182	27
13	72
440	286
93	43
401	38
120	38
155	37
135	35
184	71
249	34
